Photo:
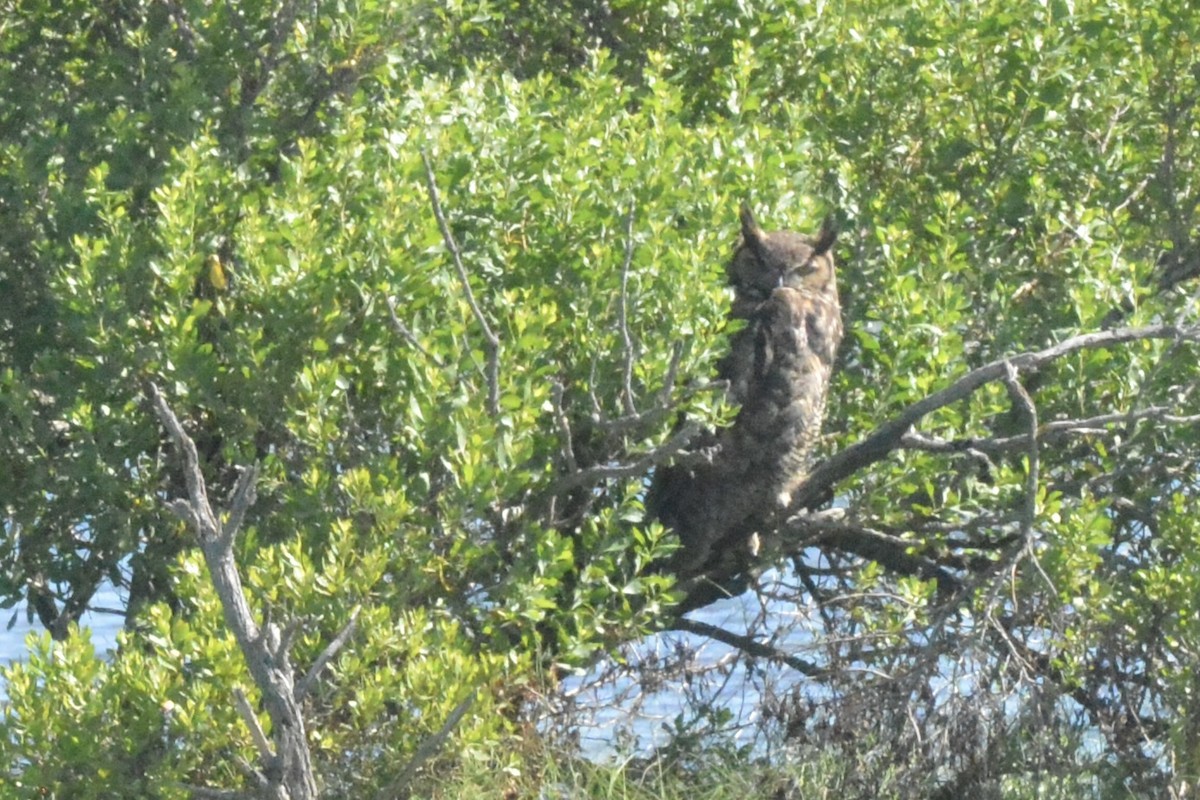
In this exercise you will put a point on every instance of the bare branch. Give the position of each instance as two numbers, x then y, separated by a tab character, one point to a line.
244	495
894	552
288	637
887	437
748	645
623	317
289	771
664	394
427	748
200	511
183	510
1059	428
204	793
247	769
564	428
246	712
310	677
1023	401
673	448
491	342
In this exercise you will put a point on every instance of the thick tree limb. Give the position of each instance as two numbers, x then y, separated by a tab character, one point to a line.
893	552
898	554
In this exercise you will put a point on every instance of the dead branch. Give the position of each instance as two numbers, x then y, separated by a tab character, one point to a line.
1022	400
289	769
246	712
1048	431
564	428
204	793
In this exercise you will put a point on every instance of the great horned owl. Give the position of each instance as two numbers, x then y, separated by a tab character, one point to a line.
778	371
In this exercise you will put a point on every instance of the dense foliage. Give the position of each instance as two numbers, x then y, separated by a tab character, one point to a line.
452	275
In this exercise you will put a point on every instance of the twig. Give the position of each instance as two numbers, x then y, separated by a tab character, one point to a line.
491	343
664	394
623	318
204	793
248	769
426	750
244	495
1089	426
310	677
408	335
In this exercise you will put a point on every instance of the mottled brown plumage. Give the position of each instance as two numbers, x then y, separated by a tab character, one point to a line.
778	371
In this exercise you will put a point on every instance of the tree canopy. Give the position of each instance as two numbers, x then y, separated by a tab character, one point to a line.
432	289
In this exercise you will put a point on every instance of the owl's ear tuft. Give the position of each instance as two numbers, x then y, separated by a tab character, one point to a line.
750	229
827	236
752	235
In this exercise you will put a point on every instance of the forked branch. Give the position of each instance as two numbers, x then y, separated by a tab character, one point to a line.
287	766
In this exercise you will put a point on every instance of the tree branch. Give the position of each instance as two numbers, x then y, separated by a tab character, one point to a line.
673	448
748	645
310	677
289	772
893	552
623	317
491	342
246	712
566	446
1059	428
427	748
888	436
408	335
1022	400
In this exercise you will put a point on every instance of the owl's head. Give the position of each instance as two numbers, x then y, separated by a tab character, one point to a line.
765	261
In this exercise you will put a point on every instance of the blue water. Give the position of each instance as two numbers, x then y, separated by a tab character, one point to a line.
104	628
